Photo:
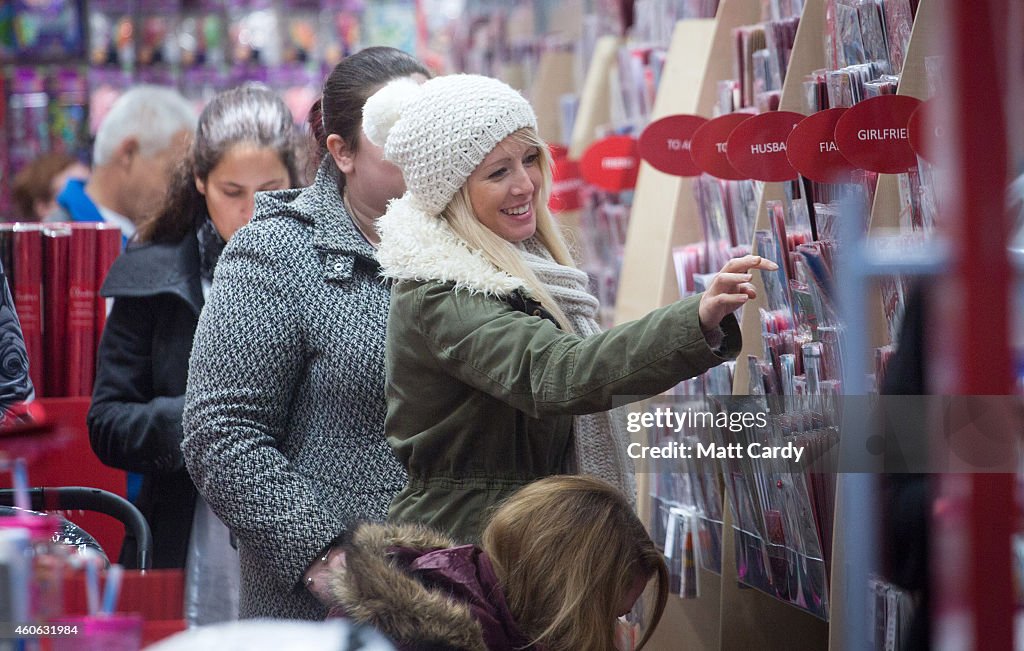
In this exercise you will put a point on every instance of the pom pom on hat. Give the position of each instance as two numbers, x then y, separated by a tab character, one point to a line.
383	109
438	132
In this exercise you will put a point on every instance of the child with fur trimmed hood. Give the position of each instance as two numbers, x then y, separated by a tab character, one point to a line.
561	562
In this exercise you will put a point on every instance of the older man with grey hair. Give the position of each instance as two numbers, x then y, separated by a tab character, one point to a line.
141	139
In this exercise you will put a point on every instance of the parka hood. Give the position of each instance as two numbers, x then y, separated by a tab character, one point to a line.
422	590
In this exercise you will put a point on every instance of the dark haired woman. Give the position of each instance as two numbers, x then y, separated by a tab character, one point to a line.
244	143
284	413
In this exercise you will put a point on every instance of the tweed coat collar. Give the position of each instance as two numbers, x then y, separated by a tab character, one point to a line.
422	247
319	205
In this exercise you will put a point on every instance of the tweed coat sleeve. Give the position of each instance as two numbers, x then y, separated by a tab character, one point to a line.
129	427
247	357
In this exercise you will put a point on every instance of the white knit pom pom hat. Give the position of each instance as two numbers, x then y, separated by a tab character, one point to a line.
440	131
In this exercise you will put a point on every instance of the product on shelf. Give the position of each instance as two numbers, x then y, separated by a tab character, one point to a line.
253	33
28	133
55	271
48	30
68	111
391	22
299	31
201	35
157	33
111	33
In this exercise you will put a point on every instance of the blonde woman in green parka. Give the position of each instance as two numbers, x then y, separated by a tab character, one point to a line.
497	373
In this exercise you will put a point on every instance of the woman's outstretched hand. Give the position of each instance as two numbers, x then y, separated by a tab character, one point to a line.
730	289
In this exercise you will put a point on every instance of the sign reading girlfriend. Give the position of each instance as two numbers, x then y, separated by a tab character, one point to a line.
874	135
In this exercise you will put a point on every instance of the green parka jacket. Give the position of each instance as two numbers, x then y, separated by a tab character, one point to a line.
481	395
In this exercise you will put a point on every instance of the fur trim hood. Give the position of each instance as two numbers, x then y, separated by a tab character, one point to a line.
422	247
420	589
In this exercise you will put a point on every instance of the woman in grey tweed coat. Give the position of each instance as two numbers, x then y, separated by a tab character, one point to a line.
284	411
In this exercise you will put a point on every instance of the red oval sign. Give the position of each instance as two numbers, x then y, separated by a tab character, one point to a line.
925	130
611	164
565	181
665	144
873	135
557	150
757	147
812	148
708	146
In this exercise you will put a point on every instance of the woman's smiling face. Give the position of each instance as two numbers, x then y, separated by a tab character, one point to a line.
503	190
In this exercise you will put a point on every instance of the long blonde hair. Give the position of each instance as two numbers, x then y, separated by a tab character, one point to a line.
503	254
566	551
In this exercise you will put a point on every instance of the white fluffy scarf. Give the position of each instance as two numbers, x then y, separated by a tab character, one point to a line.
416	246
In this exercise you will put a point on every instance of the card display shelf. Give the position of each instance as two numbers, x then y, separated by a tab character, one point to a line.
665	216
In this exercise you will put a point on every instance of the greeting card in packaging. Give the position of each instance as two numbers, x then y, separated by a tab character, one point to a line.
832	56
884	85
7	249
815	92
728	96
633	73
848	33
899	21
749	39
872	29
780	36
